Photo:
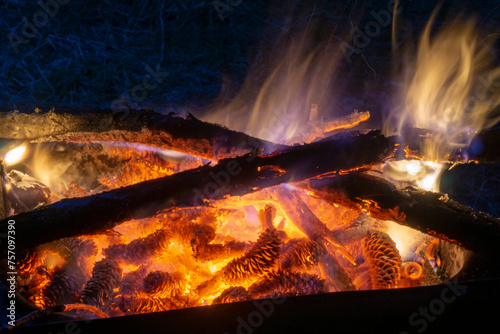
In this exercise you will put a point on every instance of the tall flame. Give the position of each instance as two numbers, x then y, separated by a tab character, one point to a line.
449	87
296	91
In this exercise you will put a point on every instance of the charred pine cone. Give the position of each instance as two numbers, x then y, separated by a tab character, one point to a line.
286	283
106	275
162	284
232	295
73	249
64	287
189	232
131	282
140	249
384	261
257	261
301	254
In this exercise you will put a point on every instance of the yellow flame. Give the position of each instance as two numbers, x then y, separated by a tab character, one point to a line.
291	101
15	155
449	87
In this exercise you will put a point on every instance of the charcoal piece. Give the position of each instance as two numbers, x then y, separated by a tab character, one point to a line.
301	254
284	283
231	295
162	284
257	261
384	261
106	276
140	250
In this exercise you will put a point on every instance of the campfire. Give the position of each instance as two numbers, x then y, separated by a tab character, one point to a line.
119	214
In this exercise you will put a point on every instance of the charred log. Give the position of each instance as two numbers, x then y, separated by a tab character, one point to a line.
237	176
425	211
147	127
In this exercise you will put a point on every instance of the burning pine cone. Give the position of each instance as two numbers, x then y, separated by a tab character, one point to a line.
63	288
140	250
162	284
28	262
257	261
155	304
301	254
130	282
106	275
232	295
384	261
287	283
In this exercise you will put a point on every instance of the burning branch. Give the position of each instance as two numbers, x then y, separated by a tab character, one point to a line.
190	135
191	188
424	211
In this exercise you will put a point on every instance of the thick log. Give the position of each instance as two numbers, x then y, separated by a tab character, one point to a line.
425	211
188	135
234	177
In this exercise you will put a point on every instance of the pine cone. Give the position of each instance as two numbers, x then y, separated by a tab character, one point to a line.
141	249
162	284
131	282
257	261
28	262
231	295
384	261
155	304
106	275
287	283
301	254
63	288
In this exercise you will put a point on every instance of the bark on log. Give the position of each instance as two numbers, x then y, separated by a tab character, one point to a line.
232	177
424	211
147	127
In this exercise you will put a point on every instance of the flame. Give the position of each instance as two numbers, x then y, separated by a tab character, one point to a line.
15	155
424	174
449	88
293	98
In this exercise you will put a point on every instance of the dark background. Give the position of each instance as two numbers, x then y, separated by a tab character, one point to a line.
90	53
